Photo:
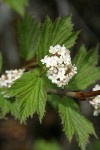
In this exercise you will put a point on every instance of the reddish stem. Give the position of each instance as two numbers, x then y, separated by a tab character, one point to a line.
79	95
82	95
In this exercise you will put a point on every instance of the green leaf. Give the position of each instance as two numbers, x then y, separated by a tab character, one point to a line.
28	31
44	145
31	95
63	32
17	5
44	40
74	123
53	33
87	73
54	100
48	83
8	106
0	61
94	145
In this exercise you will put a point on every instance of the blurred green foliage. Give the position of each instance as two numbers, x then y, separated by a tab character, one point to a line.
44	145
0	61
28	34
94	145
17	5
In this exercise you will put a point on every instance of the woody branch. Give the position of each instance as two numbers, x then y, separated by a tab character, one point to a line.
82	96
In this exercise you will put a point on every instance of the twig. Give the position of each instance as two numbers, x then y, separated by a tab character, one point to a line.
82	95
79	95
32	64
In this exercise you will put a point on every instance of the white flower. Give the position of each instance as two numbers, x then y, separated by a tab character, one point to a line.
60	68
63	51
53	70
97	87
54	50
45	60
54	61
67	59
96	112
61	76
50	61
60	61
7	79
96	102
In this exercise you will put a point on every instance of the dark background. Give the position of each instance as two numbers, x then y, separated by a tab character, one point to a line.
85	16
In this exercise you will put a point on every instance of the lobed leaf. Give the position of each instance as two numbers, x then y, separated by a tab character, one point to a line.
44	40
28	31
74	123
31	95
53	33
18	6
54	100
87	73
8	106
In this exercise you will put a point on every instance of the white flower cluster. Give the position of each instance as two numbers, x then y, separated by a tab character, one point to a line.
60	68
96	102
7	79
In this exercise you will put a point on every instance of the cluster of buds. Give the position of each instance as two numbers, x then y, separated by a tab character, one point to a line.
60	68
9	77
96	102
